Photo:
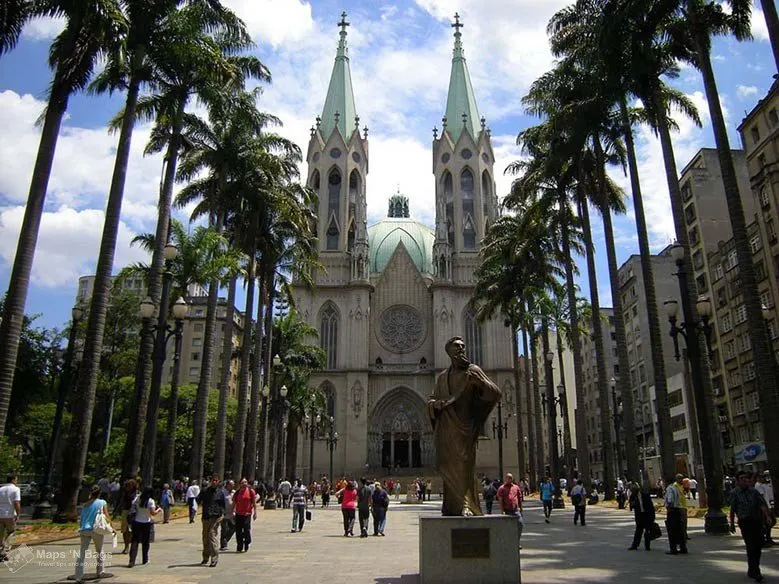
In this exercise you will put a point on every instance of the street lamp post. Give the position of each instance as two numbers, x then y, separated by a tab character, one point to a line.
332	442
163	332
617	406
311	425
715	520
67	380
282	462
552	412
273	413
500	429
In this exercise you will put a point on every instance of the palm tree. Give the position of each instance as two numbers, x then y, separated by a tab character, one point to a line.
93	30
204	255
772	22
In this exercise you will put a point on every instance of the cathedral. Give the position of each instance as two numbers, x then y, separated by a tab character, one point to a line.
391	294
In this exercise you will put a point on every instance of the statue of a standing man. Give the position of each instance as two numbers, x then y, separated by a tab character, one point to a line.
463	398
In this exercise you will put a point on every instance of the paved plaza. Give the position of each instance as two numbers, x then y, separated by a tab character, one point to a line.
553	553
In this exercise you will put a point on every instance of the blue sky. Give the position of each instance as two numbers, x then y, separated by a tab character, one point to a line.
400	59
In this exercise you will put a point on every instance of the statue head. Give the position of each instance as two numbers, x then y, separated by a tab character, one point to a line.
455	348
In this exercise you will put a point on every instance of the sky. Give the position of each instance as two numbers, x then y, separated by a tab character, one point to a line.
400	56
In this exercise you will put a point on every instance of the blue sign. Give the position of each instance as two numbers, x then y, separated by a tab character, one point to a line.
751	452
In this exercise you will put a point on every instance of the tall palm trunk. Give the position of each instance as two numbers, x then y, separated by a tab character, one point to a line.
582	446
239	428
540	457
650	295
567	448
204	385
772	22
266	371
761	345
518	401
291	440
157	267
531	429
623	381
220	436
600	355
250	463
689	293
78	441
169	449
19	283
549	391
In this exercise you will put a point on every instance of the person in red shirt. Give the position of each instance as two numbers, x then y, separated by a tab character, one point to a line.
509	496
348	498
245	503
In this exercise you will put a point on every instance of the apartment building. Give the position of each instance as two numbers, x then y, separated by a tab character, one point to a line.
636	315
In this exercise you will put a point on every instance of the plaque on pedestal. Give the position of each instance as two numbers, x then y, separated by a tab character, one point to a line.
469	550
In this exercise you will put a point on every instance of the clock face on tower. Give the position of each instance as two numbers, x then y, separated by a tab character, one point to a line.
401	329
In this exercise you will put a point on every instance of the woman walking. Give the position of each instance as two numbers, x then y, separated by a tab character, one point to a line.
144	509
348	498
89	512
644	514
128	496
379	506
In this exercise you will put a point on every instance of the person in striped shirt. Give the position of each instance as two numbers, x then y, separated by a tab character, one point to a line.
299	494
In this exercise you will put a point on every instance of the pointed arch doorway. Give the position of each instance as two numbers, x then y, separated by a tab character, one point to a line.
399	435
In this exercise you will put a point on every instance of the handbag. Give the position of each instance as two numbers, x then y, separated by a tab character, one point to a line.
101	526
308	515
654	531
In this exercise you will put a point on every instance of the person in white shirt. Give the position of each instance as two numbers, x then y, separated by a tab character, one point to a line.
765	488
10	510
579	501
192	492
693	488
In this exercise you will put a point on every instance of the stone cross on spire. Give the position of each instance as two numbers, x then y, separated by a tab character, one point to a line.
458	47
342	43
343	24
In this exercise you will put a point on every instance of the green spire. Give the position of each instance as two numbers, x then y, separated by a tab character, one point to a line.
461	110
339	103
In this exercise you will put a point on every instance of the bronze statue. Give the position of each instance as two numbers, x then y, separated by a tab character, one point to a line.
463	398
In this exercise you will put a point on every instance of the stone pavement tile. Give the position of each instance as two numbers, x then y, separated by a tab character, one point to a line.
555	552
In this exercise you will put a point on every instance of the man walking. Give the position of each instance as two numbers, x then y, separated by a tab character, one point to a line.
693	488
379	505
579	502
509	497
749	506
298	506
364	497
674	505
192	494
547	491
228	522
488	491
213	500
10	510
245	506
166	500
764	487
285	489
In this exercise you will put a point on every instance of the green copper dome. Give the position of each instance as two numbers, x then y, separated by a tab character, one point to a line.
384	237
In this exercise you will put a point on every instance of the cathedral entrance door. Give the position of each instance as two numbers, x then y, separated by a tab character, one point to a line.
402	438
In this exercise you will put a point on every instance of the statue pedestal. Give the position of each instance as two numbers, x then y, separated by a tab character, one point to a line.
469	550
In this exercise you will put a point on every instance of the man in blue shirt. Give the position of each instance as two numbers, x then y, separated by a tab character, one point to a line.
547	491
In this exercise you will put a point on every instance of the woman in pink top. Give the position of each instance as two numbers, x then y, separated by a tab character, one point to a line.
348	498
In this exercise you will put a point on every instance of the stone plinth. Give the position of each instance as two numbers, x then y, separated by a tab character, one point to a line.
469	550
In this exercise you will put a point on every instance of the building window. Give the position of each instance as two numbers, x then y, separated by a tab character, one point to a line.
675	398
725	323
195	356
757	431
194	371
773	330
198	327
770	229
744	343
773	119
734	378
732	259
761	161
741	313
333	208
197	342
755	244
718	272
697	260
730	350
743	434
765	299
686	192
689	213
764	199
749	371
755	131
328	335
469	225
472	330
753	401
678	423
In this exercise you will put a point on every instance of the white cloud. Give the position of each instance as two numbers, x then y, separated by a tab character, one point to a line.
83	163
759	27
67	244
274	21
43	29
744	91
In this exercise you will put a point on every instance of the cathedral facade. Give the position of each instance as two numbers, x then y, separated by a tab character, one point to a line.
391	294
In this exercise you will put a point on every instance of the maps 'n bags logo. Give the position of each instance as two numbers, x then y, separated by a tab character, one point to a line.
18	558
